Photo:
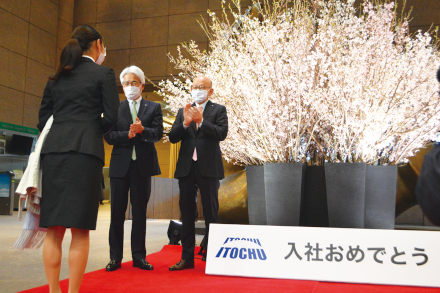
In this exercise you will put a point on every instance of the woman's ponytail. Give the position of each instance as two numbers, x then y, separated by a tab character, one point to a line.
70	58
81	41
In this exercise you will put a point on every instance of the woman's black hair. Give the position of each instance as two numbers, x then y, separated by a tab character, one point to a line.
81	41
438	75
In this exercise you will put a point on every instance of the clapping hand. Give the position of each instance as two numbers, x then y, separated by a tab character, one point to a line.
137	126
196	114
187	119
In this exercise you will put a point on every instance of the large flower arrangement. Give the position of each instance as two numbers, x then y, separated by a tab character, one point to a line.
317	82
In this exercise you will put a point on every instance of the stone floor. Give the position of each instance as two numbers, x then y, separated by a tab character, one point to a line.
20	270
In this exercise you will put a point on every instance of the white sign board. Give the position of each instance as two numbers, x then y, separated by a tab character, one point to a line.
393	257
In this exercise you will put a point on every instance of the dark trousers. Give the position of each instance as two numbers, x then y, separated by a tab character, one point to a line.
209	193
140	189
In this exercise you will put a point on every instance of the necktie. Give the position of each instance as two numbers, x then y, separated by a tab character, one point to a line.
133	117
194	157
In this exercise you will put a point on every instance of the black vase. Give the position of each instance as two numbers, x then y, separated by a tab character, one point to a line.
255	195
284	185
345	184
314	212
380	197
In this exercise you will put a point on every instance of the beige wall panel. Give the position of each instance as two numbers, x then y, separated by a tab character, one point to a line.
153	61
13	32
185	28
149	8
424	12
162	145
12	69
66	11
116	35
163	198
58	58
152	96
217	4
118	60
113	10
12	101
107	158
176	194
44	14
165	170
84	12
173	51
229	16
64	33
108	152
185	6
20	8
163	155
415	29
37	75
107	146
30	110
42	46
149	32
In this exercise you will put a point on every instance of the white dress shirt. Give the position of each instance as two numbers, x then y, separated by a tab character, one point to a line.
138	104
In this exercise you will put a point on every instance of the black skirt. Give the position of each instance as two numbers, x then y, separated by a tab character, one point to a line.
71	189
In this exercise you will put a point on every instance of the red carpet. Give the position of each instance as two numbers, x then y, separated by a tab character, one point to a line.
129	279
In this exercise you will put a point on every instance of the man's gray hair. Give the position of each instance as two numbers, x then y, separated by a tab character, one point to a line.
135	70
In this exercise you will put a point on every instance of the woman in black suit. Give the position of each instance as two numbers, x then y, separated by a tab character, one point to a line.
83	98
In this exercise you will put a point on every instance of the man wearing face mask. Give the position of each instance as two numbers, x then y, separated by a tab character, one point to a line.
200	127
133	162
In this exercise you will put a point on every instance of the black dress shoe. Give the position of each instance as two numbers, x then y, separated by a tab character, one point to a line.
142	264
181	265
113	265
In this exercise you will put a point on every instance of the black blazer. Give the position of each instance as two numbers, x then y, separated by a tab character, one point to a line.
77	101
428	186
207	141
150	114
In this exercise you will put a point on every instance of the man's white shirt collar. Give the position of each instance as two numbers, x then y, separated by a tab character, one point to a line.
137	100
203	105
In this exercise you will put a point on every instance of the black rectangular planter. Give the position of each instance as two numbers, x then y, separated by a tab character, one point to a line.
346	195
345	184
314	212
380	197
283	184
255	195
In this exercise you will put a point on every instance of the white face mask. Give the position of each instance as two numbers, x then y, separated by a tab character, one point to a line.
101	57
132	92
199	96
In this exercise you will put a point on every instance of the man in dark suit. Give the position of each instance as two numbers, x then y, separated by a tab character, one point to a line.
133	162
200	127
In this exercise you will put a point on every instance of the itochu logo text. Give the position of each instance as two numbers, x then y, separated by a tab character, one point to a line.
242	248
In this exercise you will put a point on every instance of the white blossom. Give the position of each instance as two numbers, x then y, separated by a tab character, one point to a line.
317	83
